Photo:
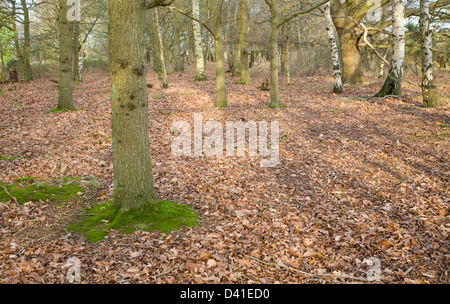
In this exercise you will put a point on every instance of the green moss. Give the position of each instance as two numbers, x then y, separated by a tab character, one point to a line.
10	158
275	106
61	110
163	216
55	190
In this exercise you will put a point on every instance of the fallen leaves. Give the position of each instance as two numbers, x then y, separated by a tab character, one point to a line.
354	182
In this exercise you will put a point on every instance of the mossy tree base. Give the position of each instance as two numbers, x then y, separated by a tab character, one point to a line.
162	216
431	98
277	105
200	78
392	86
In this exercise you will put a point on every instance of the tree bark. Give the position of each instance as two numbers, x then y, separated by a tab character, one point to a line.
199	56
76	49
161	51
337	74
133	179
243	28
221	95
275	30
349	38
28	73
393	83
430	94
179	62
65	98
17	48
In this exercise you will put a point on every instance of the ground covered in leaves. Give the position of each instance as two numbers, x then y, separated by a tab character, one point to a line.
358	178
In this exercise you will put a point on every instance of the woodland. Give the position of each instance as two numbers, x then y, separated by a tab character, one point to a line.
351	97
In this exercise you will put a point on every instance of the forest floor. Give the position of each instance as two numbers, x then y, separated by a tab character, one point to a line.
357	179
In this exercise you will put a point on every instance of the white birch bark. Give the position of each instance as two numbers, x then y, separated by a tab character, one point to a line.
429	91
337	74
199	60
393	83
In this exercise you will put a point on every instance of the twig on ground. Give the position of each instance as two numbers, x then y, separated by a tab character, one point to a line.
9	194
280	264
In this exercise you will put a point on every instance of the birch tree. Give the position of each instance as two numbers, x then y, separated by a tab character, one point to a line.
199	57
337	74
393	83
429	91
346	17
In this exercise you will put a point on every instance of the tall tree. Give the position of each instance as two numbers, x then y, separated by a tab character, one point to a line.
65	98
221	95
429	91
199	56
393	83
28	74
178	55
161	50
133	179
346	17
17	47
337	74
243	44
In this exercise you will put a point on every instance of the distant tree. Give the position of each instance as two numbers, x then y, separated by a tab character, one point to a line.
199	56
277	19
243	44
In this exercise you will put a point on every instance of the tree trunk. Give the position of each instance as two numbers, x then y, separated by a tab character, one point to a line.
283	52
348	39
65	98
275	29
393	83
28	73
161	50
236	68
17	48
337	74
351	58
243	28
76	49
133	179
199	57
2	64
179	63
288	64
221	95
429	91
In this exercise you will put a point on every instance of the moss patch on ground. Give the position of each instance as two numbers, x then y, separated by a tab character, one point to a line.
163	216
55	190
11	158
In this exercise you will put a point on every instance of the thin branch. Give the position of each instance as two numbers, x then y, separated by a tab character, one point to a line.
173	8
9	194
